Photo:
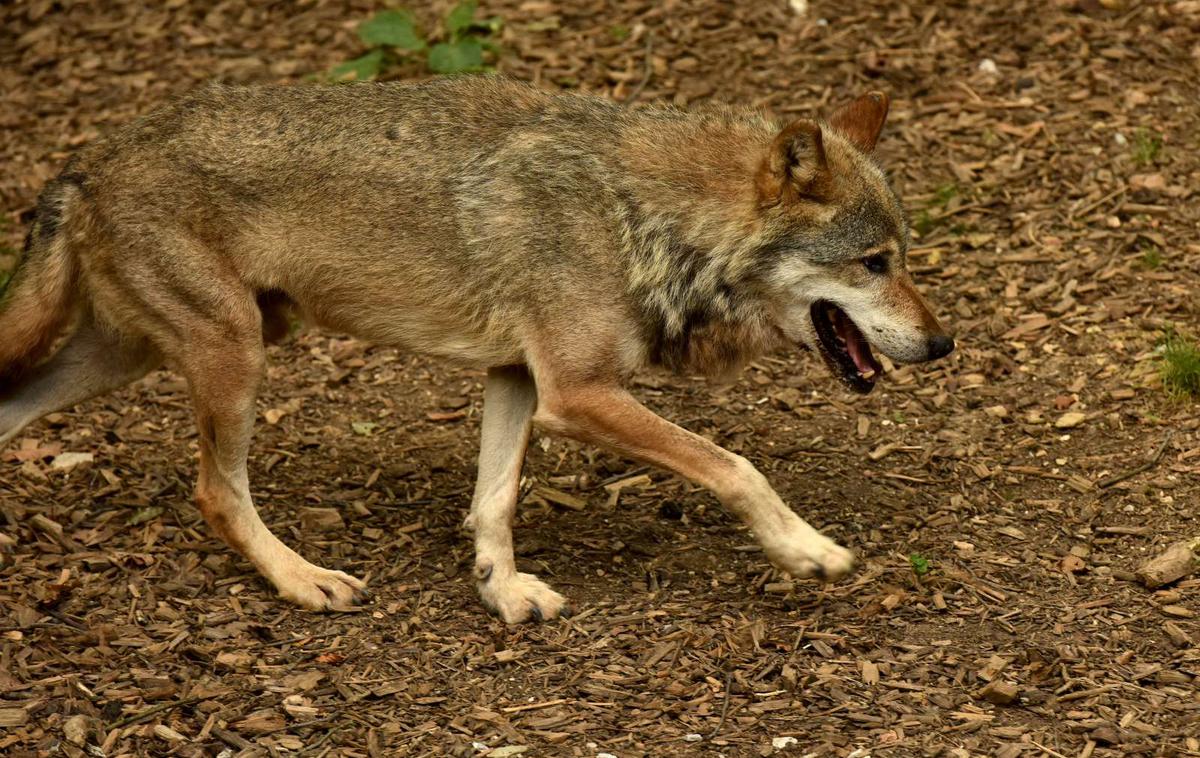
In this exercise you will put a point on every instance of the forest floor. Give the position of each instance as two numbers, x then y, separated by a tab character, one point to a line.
1049	155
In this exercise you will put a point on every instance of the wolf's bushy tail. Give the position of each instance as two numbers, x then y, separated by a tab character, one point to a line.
38	303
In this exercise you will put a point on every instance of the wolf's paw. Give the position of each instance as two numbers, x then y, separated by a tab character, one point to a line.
521	597
319	589
814	556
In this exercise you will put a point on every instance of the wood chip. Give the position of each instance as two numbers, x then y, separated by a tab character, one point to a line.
1176	562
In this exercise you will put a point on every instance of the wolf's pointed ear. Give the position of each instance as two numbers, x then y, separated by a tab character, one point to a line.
795	165
862	120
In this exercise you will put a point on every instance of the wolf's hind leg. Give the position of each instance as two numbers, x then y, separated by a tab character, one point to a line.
224	374
509	402
92	362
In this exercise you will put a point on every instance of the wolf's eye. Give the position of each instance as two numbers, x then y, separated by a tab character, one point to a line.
876	264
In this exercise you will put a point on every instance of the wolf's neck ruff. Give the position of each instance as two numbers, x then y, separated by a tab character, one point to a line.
698	309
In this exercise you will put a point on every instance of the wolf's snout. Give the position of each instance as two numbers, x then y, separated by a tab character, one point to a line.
940	345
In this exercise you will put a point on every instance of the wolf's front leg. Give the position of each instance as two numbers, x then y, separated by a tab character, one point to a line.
610	416
509	402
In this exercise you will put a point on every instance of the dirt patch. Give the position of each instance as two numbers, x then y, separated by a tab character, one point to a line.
1048	157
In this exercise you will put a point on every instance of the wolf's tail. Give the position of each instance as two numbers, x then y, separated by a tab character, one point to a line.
38	303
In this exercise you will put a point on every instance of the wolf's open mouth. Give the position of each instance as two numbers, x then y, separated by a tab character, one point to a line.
844	347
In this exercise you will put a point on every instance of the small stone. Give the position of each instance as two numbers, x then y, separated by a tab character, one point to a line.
1174	563
1150	182
693	737
782	743
989	67
1000	692
1070	420
68	461
76	730
1073	564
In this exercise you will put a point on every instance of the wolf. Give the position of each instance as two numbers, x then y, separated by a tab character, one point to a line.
559	241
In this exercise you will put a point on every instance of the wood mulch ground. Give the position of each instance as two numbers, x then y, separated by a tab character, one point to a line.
1049	154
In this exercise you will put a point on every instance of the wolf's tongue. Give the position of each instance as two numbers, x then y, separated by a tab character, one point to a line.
861	353
856	345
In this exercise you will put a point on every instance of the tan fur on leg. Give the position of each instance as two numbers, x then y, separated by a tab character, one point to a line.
510	399
610	416
223	389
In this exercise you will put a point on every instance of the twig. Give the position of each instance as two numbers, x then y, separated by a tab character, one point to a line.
312	748
724	705
232	739
623	475
646	73
66	620
145	715
1047	750
1073	215
1110	481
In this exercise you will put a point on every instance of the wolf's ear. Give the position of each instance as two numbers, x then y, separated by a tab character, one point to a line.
862	120
795	166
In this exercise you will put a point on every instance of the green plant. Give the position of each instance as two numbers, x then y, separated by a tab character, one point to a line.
1151	257
619	32
1147	145
944	194
1180	365
925	221
393	35
920	564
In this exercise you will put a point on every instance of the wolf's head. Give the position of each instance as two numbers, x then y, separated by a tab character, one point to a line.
839	240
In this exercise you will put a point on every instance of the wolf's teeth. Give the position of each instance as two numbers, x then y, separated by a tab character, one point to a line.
868	374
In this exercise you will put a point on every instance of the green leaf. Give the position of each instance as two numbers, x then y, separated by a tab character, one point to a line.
491	47
4	277
363	67
491	25
460	18
919	563
396	29
456	57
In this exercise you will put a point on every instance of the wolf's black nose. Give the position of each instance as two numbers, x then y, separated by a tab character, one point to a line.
940	346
